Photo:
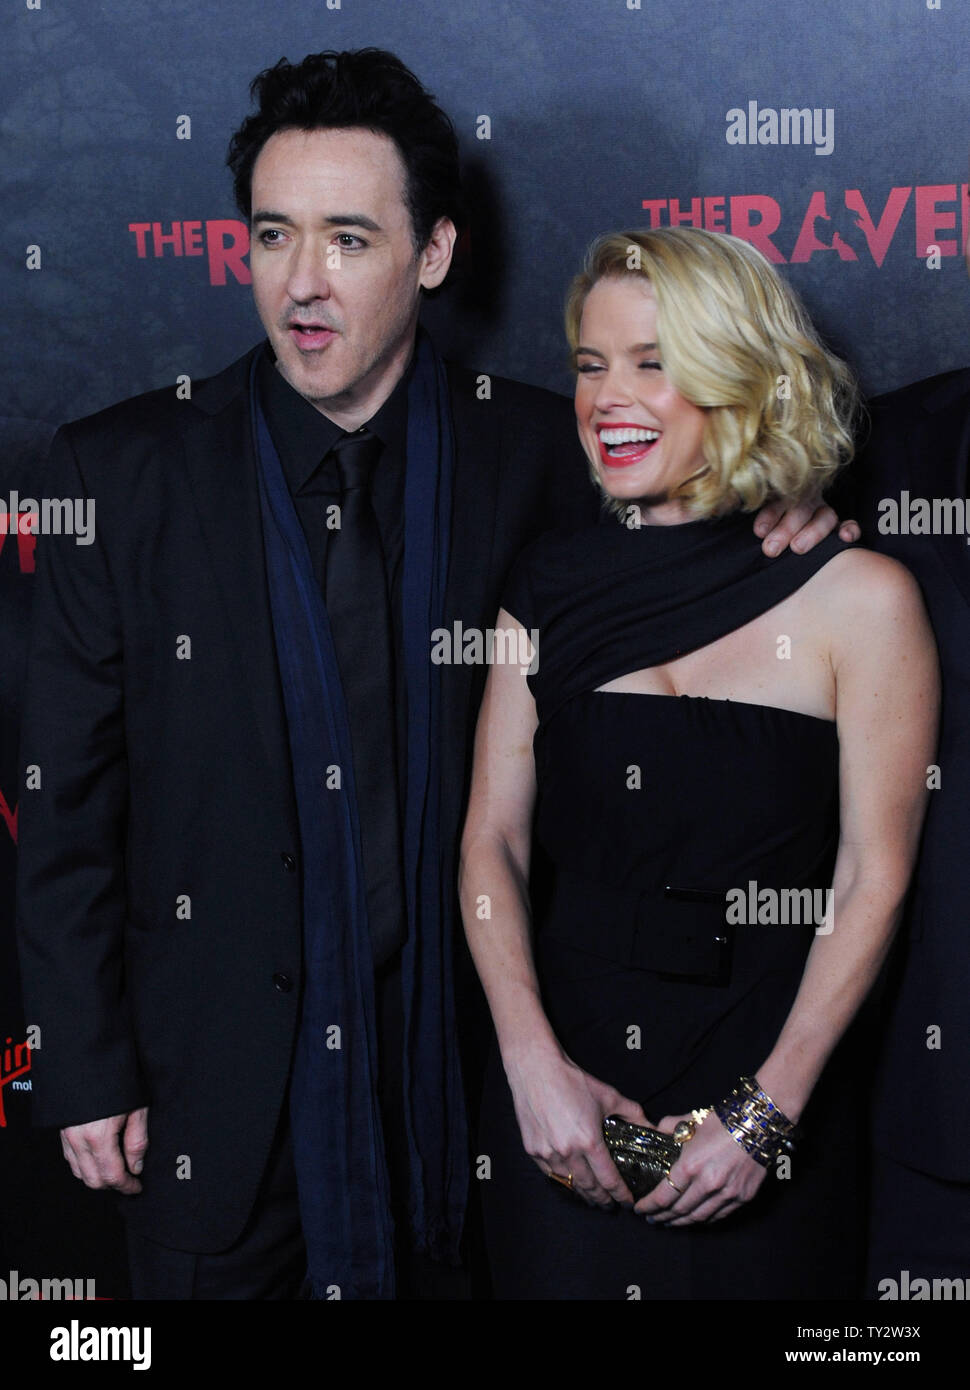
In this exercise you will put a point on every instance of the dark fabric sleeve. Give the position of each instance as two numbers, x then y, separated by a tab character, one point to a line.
846	493
71	896
517	597
843	495
855	495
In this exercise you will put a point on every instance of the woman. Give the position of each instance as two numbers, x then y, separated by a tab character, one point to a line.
705	735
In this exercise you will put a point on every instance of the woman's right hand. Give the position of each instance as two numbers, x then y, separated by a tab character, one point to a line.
560	1110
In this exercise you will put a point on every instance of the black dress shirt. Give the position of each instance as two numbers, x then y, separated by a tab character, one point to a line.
304	438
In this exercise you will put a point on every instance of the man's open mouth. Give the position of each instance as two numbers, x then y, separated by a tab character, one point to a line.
310	335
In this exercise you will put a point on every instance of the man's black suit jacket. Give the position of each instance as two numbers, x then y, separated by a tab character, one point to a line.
159	884
920	444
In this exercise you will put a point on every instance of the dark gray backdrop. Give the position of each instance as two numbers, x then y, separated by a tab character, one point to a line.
594	107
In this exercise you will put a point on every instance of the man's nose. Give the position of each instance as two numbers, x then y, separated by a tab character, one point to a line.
310	274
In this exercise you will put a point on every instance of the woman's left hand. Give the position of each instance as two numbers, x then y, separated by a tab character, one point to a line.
714	1173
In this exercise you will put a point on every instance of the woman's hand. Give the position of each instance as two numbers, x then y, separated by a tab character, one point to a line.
714	1172
560	1110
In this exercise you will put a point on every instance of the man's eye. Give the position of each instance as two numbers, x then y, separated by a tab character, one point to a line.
349	242
268	236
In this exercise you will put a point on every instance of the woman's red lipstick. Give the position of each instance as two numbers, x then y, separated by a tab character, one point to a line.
623	443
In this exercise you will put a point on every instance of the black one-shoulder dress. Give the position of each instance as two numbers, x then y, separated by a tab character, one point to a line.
650	809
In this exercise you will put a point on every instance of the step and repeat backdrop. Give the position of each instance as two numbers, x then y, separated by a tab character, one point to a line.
832	135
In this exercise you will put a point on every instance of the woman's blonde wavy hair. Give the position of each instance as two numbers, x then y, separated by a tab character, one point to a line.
735	340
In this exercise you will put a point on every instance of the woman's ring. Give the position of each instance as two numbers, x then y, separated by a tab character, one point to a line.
673	1184
566	1181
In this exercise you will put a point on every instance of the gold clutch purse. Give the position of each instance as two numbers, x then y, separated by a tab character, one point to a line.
643	1156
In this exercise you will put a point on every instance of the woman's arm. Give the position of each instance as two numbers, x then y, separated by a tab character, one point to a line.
887	691
887	701
560	1108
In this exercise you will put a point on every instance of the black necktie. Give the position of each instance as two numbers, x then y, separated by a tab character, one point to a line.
360	619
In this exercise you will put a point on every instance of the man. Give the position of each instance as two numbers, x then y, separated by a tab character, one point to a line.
916	459
246	777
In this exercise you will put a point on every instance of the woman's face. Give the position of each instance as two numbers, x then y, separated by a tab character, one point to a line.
641	435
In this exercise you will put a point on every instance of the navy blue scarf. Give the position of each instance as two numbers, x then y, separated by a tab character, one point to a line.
338	1143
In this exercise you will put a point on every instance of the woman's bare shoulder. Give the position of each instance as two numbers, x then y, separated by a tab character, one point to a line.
868	604
859	581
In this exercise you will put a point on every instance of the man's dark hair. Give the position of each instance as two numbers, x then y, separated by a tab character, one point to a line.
367	88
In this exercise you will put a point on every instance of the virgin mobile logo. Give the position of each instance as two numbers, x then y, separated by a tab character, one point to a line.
14	1066
846	223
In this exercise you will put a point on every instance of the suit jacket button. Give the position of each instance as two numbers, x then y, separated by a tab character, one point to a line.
283	983
289	863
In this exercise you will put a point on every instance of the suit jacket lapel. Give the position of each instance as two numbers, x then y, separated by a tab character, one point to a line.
477	453
474	500
221	466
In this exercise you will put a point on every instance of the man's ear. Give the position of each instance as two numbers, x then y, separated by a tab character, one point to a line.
436	256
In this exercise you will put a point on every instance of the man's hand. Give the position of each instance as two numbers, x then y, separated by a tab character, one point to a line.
801	527
96	1156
